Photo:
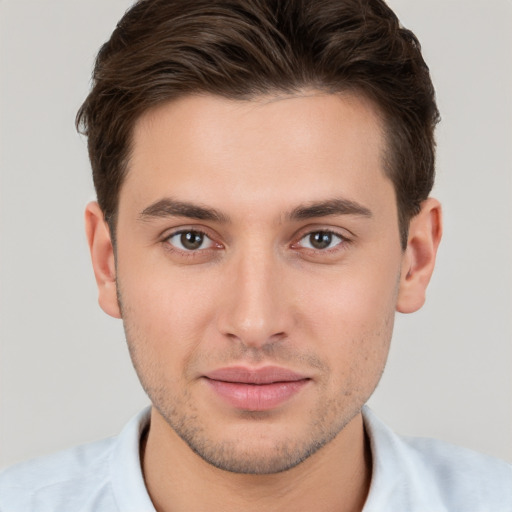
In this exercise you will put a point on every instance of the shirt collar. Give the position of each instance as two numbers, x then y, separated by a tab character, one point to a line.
125	467
399	481
395	485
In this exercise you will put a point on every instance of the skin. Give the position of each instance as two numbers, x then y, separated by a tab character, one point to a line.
258	291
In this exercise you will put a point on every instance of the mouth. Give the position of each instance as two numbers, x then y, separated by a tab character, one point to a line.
259	389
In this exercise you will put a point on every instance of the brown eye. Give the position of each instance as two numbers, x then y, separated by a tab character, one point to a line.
321	240
190	240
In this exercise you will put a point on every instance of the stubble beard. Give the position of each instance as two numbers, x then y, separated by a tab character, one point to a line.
325	422
229	455
180	412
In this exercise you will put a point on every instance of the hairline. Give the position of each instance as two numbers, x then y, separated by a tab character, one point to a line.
385	123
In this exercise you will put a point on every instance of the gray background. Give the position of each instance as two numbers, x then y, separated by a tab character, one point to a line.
65	376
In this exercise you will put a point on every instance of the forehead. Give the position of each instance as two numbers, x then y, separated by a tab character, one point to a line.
304	146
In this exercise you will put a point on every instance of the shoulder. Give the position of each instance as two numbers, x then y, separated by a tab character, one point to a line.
57	481
460	475
97	477
420	474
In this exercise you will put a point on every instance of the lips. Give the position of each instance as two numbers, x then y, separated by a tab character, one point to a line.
255	389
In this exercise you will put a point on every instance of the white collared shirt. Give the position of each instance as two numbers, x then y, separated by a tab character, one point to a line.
409	475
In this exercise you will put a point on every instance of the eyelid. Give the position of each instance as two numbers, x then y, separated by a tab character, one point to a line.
337	239
322	228
184	228
178	234
168	234
346	238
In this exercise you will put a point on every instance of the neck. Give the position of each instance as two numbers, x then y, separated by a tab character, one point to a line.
336	478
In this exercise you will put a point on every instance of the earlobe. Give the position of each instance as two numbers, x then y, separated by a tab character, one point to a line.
419	258
103	261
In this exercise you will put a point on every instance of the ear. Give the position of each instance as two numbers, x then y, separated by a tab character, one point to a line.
419	258
102	256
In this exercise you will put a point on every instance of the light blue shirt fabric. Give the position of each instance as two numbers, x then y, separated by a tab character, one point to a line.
409	475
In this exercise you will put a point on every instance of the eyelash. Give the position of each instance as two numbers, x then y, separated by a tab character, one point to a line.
344	241
190	253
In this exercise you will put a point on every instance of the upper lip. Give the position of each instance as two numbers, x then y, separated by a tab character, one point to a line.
264	375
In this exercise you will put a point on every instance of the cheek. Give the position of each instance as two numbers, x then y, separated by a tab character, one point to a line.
352	301
352	319
164	315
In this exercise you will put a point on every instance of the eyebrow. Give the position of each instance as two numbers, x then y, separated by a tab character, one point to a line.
329	207
171	208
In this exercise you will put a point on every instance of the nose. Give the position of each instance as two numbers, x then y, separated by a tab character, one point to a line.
256	306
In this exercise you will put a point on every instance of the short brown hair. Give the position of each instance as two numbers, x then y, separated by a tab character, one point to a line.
240	49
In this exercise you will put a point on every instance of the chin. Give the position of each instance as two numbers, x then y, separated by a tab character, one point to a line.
258	449
258	460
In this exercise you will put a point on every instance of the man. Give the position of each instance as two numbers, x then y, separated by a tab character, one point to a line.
263	172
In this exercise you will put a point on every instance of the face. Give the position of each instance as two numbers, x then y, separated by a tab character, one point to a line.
258	268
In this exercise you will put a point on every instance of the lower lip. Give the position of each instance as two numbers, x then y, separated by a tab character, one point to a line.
257	397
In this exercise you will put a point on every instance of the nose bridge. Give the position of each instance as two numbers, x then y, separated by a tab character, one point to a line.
255	312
